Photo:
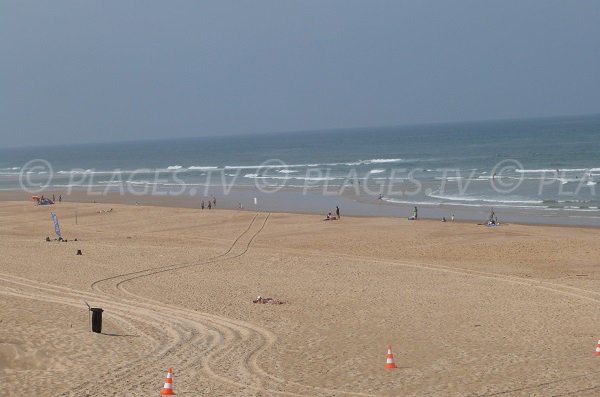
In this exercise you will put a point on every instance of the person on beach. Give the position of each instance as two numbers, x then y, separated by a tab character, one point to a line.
271	301
415	213
53	198
60	198
337	211
202	204
209	205
493	219
452	218
214	202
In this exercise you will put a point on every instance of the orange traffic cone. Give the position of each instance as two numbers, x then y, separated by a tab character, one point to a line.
598	348
390	359
167	389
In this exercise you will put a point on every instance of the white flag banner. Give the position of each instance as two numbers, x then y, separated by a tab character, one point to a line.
56	225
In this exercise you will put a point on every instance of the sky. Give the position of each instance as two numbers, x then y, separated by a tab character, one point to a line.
97	71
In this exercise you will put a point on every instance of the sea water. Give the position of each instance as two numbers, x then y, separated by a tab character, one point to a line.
543	166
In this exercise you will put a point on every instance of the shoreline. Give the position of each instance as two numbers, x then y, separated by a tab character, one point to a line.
279	202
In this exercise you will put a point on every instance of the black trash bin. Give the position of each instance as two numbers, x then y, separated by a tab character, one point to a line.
96	319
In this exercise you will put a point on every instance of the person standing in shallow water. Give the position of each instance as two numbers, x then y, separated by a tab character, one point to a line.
337	211
202	204
215	202
209	205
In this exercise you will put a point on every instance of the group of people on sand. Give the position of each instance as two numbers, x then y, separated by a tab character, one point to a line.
415	216
211	204
492	220
451	218
331	217
41	200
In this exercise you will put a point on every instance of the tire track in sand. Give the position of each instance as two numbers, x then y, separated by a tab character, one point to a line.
232	358
167	334
220	345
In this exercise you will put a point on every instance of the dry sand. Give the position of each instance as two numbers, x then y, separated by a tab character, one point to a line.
469	310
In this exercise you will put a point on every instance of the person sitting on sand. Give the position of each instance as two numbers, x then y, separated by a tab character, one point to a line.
270	301
330	217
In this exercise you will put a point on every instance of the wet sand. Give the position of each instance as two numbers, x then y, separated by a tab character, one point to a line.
468	310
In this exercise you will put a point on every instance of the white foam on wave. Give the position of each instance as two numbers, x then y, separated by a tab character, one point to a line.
380	161
280	178
560	170
398	201
285	178
483	199
201	168
376	171
451	178
256	167
287	171
93	172
349	163
322	178
174	167
89	185
74	172
564	181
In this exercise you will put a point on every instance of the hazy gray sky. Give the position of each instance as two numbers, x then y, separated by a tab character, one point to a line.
85	71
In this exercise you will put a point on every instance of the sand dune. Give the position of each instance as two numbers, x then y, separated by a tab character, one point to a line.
509	311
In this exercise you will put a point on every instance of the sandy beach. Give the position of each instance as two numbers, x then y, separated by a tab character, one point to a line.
469	310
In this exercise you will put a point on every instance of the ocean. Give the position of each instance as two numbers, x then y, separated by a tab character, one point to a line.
543	169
